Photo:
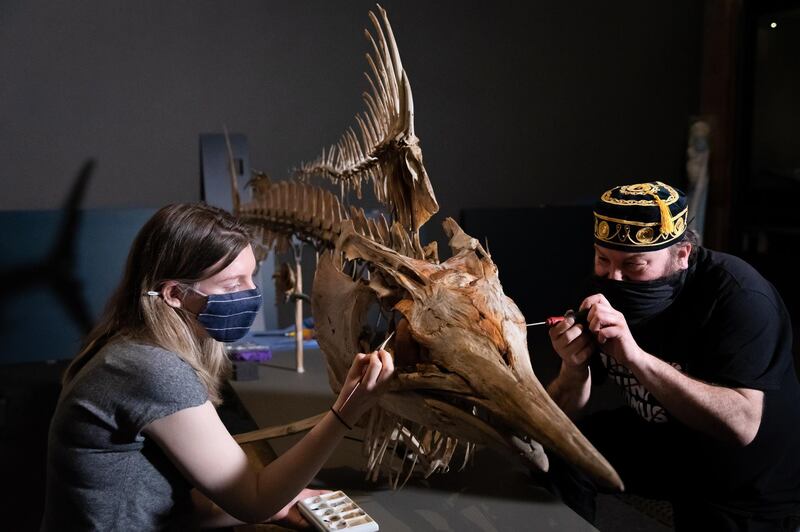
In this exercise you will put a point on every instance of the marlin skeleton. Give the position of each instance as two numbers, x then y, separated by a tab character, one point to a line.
469	380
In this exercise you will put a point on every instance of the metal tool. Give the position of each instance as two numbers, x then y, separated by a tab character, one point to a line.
383	344
580	317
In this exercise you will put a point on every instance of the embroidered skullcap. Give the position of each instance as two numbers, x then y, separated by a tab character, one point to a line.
640	217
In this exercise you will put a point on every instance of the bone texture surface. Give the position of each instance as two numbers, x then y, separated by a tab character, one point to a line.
466	378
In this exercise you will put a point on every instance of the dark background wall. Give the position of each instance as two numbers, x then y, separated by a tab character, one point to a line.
517	103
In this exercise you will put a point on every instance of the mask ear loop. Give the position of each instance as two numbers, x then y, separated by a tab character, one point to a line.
153	293
185	289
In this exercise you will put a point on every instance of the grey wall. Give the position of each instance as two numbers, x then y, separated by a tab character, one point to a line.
517	103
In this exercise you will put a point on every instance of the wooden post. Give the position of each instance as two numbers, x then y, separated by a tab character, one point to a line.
298	305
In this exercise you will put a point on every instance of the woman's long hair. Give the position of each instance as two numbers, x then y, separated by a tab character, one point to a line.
181	242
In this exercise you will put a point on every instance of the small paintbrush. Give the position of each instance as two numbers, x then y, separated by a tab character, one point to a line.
362	375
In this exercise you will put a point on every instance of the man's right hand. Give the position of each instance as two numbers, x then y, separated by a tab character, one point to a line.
572	342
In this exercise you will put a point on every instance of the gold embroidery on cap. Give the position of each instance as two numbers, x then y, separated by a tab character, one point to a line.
641	189
680	225
645	235
637	234
603	230
627	222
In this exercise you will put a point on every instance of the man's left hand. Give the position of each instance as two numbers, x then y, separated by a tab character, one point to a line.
611	330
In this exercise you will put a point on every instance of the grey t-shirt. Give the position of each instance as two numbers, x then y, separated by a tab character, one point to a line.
102	472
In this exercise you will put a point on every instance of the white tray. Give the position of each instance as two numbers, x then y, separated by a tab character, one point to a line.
336	511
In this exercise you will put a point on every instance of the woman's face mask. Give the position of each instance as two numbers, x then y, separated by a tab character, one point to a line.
228	317
640	301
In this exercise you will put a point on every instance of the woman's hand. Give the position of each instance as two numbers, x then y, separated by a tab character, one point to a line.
369	376
290	517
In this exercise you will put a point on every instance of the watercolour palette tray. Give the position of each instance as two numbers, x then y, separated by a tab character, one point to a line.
336	511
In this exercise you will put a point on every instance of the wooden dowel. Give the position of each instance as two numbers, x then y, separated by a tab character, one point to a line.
281	430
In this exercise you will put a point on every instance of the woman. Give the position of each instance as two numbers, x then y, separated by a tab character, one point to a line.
136	429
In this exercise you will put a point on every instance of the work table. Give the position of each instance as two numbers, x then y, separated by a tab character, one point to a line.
493	493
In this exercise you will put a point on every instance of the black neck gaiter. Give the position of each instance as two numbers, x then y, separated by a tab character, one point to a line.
639	301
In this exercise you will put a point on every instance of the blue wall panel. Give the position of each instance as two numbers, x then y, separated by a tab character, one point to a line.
34	324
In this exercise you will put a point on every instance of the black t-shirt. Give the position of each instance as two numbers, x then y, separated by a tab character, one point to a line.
729	327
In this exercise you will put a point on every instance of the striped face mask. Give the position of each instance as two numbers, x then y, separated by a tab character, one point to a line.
228	317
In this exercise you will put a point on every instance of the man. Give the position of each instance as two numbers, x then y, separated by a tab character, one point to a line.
700	345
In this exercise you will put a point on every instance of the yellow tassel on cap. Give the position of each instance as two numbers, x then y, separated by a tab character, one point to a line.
667	225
